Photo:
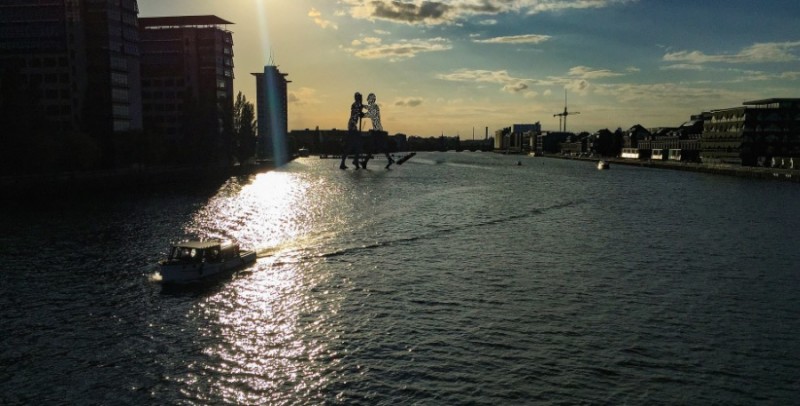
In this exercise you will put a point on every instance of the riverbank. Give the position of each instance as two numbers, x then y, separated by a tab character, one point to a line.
23	188
785	175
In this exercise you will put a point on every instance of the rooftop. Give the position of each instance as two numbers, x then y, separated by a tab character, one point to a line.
200	245
181	21
771	101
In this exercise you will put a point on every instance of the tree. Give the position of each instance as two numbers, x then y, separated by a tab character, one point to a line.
244	128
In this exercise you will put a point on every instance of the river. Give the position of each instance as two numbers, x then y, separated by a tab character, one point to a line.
457	278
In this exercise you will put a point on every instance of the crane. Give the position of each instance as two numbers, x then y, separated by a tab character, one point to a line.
564	114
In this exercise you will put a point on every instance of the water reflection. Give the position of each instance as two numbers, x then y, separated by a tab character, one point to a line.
261	214
263	334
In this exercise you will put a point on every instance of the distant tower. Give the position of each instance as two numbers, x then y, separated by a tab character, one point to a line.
272	105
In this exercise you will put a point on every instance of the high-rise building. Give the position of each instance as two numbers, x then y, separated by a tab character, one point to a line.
77	62
272	111
187	84
752	134
114	80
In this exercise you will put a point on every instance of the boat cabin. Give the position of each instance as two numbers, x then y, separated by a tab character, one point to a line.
203	251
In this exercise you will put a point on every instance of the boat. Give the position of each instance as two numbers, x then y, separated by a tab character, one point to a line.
303	152
602	165
196	260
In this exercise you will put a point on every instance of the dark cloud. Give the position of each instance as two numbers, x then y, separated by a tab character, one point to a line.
411	13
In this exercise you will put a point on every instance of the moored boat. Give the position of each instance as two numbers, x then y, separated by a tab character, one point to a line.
196	260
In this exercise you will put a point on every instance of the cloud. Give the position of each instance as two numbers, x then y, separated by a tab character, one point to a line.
490	21
435	12
585	72
578	86
576	80
303	96
317	17
374	48
515	87
683	66
515	39
790	75
659	93
756	53
542	6
409	102
423	12
510	83
750	76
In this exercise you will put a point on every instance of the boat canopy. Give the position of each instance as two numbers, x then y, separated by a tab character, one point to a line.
198	245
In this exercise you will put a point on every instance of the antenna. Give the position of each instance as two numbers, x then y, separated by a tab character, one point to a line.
564	114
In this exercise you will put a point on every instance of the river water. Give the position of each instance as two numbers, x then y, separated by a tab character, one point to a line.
457	278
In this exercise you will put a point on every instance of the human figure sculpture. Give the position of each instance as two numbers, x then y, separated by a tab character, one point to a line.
378	138
353	139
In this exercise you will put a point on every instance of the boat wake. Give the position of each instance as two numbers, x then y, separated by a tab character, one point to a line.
438	233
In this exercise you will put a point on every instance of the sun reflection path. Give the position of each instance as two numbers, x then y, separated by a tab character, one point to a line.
268	215
267	337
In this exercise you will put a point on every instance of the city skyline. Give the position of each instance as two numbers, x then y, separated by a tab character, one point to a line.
455	67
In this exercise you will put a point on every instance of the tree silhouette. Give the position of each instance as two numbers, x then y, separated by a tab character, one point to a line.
244	128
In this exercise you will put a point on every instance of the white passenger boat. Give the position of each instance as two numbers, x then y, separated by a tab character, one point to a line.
193	260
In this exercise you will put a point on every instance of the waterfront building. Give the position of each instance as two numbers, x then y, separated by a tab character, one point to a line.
329	142
272	113
550	142
606	143
517	137
680	143
523	134
75	63
187	85
753	134
630	139
322	142
502	139
575	145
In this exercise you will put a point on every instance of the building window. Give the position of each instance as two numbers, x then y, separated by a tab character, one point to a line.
121	125
121	110
119	79
119	94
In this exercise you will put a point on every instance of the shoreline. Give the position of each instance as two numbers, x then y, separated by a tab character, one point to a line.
18	188
139	179
752	172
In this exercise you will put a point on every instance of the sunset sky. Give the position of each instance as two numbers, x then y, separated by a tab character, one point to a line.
448	67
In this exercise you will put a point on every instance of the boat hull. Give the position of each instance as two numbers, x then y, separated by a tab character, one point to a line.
181	273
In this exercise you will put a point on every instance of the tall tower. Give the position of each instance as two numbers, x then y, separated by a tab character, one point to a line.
272	106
